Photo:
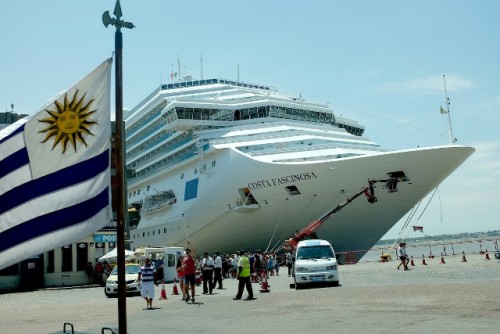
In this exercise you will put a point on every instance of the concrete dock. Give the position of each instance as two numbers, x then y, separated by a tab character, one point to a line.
374	297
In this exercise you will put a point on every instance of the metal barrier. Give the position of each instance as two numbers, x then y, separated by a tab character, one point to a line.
70	325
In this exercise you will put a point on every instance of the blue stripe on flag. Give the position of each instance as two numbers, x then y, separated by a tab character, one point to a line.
54	221
15	132
14	161
61	179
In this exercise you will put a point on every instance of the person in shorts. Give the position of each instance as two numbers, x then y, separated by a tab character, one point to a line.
403	256
189	266
147	277
180	274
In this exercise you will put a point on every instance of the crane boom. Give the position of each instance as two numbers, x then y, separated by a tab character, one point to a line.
307	231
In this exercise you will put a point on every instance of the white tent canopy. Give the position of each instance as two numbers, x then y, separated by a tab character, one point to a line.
114	253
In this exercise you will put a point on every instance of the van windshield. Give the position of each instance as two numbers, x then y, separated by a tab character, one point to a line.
315	252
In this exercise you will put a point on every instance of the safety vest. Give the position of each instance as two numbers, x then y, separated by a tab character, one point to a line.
244	263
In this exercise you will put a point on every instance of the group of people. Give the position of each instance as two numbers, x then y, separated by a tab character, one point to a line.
243	266
98	273
187	266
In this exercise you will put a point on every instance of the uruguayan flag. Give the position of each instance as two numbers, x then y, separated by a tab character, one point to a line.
55	171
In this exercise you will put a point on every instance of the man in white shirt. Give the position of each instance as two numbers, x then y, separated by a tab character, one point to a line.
289	262
207	270
217	270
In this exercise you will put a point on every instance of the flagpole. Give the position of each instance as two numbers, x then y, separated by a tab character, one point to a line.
450	132
120	164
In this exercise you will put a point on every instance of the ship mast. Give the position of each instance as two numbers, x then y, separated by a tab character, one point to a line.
179	67
447	112
201	67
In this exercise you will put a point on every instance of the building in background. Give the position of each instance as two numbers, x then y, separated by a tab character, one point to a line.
9	117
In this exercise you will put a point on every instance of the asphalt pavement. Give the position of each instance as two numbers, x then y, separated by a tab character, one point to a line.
455	297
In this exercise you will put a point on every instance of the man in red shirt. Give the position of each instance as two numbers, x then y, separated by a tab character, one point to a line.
189	266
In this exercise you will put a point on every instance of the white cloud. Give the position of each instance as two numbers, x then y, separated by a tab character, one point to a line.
430	85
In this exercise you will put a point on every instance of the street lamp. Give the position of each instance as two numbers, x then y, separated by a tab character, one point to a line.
119	153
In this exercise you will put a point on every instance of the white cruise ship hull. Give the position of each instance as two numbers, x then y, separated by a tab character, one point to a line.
209	210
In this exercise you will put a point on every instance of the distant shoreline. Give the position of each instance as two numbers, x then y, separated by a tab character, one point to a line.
445	238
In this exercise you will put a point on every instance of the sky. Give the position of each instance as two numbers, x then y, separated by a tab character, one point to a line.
379	62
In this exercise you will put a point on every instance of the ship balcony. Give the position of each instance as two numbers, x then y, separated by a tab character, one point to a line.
154	203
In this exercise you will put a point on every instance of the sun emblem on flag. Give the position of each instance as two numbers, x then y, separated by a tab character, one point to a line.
68	122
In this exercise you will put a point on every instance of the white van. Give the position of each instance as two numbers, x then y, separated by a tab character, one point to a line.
171	255
315	262
164	258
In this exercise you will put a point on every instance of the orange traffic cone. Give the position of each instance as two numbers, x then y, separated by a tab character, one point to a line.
264	285
442	259
175	291
423	260
163	292
487	255
463	257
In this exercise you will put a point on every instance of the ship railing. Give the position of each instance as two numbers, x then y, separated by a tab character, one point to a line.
140	175
171	148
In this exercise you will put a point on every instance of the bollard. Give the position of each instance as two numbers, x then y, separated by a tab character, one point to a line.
175	291
163	292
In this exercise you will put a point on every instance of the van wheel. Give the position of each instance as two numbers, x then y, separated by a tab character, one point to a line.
336	283
298	286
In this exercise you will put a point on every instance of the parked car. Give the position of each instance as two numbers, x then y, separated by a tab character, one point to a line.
131	280
497	254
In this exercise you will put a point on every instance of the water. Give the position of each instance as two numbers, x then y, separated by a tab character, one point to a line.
451	247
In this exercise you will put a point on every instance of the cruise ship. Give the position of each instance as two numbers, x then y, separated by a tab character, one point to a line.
230	165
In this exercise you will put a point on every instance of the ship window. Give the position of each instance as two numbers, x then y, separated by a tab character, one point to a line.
159	231
139	192
182	176
148	188
154	232
165	230
213	163
143	234
292	190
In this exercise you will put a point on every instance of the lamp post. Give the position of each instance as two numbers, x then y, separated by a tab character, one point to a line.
120	164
